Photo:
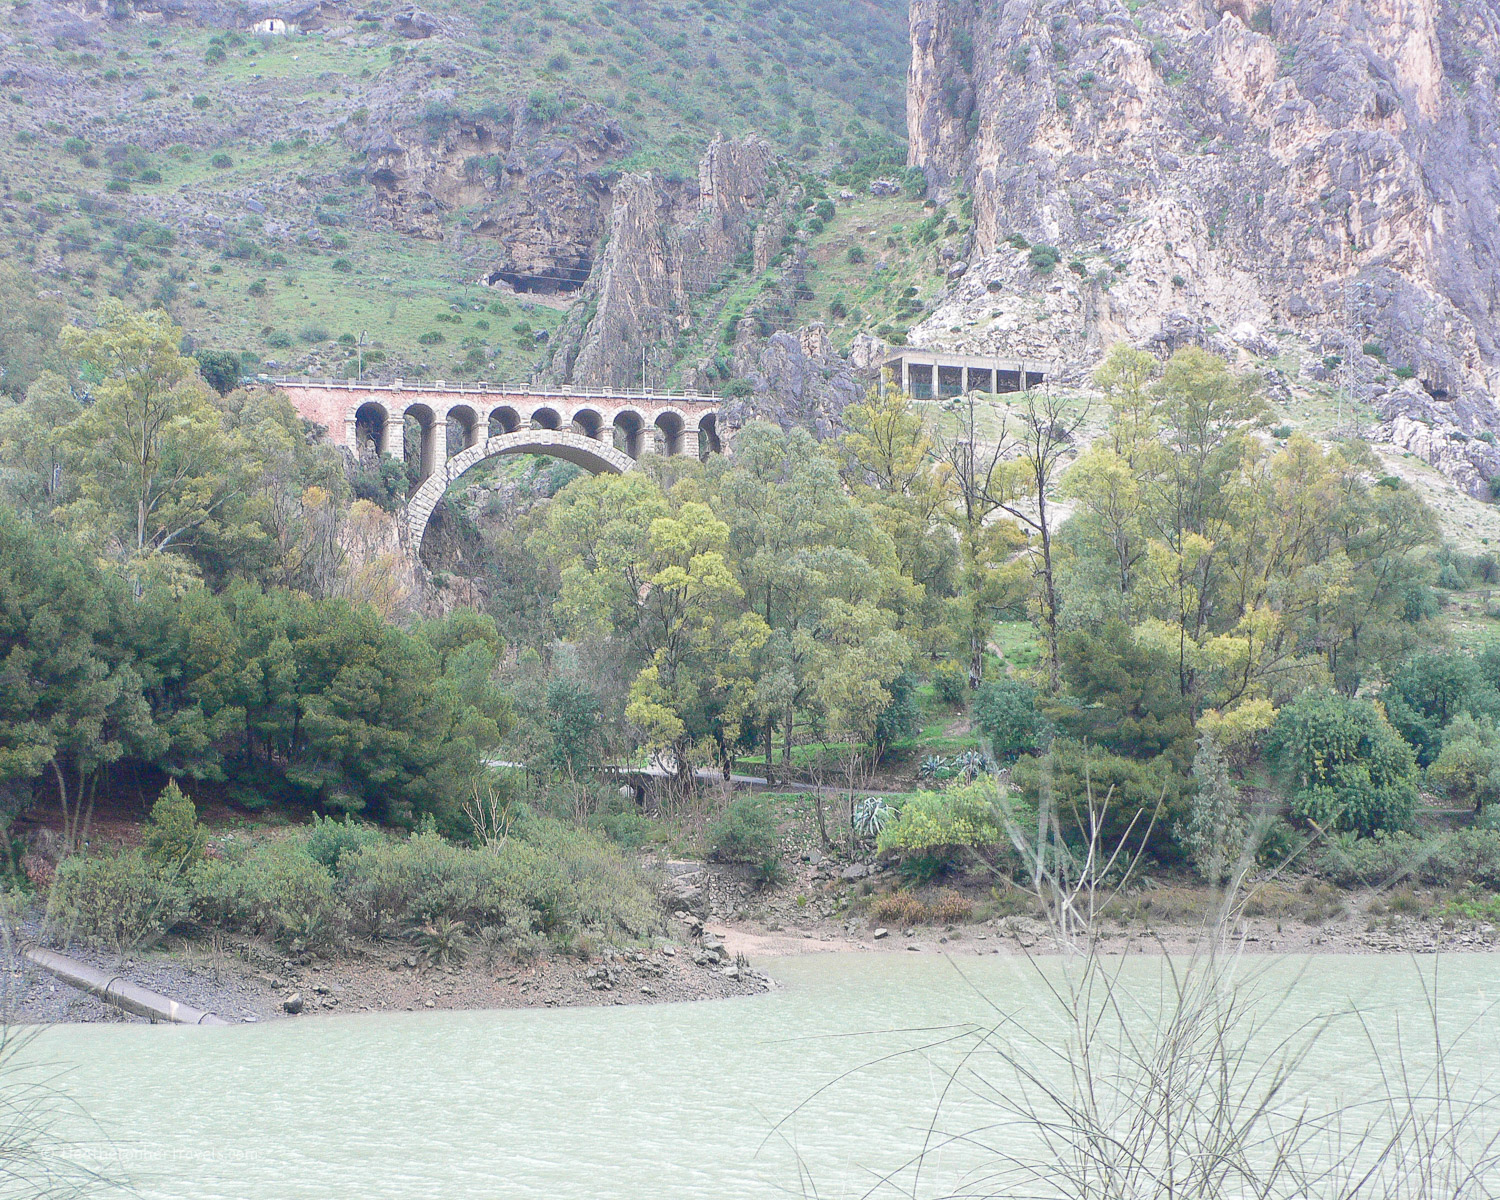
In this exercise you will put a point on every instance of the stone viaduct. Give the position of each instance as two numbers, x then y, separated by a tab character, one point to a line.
459	427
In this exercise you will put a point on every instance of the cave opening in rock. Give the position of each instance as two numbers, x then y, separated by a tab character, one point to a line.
548	281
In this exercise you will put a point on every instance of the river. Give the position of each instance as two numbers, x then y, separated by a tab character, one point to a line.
671	1102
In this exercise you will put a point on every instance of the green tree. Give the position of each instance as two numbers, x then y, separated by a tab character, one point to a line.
1006	712
71	699
1214	833
220	369
823	576
1429	691
174	836
150	452
29	325
1343	764
32	453
1468	766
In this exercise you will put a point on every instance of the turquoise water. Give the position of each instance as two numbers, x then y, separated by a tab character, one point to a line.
741	1098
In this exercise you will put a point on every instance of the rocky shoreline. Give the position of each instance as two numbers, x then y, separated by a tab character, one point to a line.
720	943
247	981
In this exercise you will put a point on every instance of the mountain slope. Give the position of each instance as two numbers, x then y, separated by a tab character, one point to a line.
386	169
1231	173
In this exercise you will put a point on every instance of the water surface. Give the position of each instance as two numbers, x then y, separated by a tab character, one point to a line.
730	1098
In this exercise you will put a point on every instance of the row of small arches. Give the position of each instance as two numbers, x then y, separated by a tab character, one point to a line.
426	437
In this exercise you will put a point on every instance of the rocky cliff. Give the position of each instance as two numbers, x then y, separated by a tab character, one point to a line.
531	183
1234	172
665	243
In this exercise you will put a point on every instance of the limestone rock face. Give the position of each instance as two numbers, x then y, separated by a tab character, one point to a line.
1328	168
538	191
664	243
799	380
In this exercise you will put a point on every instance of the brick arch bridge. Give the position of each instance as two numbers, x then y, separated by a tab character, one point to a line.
460	427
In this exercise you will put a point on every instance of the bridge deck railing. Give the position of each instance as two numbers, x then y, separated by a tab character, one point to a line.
486	389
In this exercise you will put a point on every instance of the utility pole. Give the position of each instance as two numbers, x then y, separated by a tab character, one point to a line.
359	370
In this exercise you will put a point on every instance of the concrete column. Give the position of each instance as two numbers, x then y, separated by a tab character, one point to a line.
963	380
905	376
435	445
395	436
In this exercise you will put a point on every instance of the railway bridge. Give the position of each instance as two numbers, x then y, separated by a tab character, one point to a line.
446	429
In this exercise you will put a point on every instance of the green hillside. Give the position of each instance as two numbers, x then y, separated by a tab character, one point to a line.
223	174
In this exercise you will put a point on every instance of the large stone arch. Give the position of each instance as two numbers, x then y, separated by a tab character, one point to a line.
599	457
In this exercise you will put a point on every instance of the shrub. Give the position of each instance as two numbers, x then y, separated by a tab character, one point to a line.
856	255
951	683
220	369
431	338
1007	714
950	909
328	840
276	890
1214	832
444	941
1345	766
1282	432
936	829
413	882
746	833
1044	258
342	265
1444	860
900	721
174	836
221	161
122	901
899	908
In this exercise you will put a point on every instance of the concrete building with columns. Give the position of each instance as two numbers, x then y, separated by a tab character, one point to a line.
940	374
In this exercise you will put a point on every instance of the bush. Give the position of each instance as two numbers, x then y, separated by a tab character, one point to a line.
415	881
951	683
746	833
936	829
221	161
122	901
856	255
1007	714
901	720
950	909
328	840
1044	258
1444	860
1344	765
221	368
899	908
174	837
276	891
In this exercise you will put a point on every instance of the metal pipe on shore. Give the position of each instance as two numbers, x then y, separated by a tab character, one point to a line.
118	991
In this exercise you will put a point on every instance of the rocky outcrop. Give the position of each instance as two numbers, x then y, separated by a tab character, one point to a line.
533	186
665	244
799	380
1325	168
